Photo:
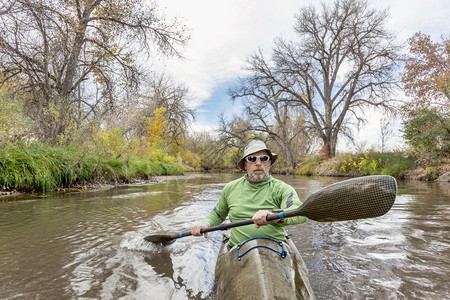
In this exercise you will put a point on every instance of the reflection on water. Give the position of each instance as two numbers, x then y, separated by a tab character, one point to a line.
90	245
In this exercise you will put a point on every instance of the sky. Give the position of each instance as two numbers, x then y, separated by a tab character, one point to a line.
224	33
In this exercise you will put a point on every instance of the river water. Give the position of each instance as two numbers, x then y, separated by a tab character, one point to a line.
89	245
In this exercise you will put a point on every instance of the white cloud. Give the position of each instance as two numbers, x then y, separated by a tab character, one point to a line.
223	34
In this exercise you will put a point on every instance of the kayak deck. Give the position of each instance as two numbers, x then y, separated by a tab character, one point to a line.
261	273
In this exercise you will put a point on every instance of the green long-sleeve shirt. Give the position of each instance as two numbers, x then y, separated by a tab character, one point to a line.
241	199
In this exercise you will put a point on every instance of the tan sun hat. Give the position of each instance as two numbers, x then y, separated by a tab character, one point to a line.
253	147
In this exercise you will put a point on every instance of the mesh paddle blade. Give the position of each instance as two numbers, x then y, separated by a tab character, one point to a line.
357	198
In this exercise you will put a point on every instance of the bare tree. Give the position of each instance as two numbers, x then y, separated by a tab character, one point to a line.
270	115
235	132
385	133
5	7
341	63
76	58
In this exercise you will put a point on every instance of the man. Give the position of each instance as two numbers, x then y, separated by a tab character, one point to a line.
254	196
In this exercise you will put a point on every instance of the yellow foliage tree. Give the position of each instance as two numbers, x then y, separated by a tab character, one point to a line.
156	129
114	142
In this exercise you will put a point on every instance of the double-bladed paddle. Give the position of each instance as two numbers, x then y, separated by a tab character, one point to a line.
356	198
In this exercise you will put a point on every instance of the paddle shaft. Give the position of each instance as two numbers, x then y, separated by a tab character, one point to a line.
226	226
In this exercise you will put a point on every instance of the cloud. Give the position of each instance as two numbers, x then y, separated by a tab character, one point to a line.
408	17
223	34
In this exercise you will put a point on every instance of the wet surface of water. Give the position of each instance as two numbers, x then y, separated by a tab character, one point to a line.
90	245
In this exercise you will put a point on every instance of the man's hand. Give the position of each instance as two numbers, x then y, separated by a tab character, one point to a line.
259	218
195	230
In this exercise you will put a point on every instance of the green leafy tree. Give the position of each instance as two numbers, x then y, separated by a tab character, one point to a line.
428	131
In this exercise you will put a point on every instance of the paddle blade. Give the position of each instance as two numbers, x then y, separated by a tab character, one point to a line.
161	238
357	198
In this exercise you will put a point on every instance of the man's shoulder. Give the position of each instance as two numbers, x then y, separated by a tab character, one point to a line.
235	182
280	183
232	186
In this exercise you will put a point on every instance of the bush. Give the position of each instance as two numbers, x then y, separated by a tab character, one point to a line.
396	169
113	169
14	125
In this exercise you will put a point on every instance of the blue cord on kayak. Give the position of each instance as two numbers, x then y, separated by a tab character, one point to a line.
282	253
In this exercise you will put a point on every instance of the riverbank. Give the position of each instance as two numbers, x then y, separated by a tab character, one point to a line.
41	168
95	187
396	164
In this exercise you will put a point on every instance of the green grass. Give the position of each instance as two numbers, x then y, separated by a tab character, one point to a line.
39	167
142	168
308	169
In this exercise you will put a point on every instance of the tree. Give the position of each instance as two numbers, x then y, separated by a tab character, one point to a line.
234	133
428	132
77	58
342	62
207	150
5	7
163	91
385	133
427	72
155	129
271	116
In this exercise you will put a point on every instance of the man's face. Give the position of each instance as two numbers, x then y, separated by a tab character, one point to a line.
257	171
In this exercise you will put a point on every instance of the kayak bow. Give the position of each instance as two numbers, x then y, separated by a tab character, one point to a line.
261	268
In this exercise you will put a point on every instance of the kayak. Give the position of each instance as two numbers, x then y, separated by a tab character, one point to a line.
261	268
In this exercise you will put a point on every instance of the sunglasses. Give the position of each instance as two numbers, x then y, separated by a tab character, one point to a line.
253	158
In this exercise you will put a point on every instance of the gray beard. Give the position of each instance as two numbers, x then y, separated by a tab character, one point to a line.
258	178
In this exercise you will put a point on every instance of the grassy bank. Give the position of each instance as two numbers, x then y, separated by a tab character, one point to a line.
397	164
39	167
